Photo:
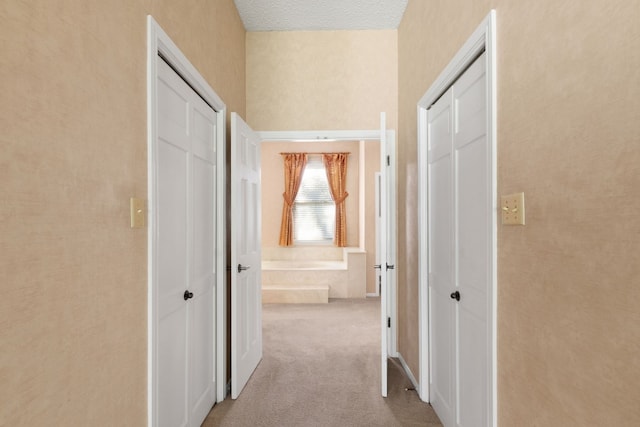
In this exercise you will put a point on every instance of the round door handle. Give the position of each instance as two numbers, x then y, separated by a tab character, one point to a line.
242	268
187	295
455	295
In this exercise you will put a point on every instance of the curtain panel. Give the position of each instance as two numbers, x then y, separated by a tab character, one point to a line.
294	164
336	166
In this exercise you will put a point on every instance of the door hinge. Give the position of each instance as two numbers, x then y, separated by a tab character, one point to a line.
388	160
388	322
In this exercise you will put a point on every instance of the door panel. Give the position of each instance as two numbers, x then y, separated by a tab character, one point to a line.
185	252
459	218
172	253
473	213
440	122
472	380
442	360
246	283
173	108
390	222
172	222
203	255
204	267
202	375
172	370
386	248
440	204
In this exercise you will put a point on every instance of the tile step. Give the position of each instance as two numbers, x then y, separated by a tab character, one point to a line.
295	294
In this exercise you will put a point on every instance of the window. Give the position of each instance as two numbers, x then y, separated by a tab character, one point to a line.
314	211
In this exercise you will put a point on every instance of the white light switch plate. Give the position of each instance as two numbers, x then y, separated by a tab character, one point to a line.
138	212
512	209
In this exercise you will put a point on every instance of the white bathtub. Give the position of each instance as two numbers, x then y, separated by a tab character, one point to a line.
342	270
303	265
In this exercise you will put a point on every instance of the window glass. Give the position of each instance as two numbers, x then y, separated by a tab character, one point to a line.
313	210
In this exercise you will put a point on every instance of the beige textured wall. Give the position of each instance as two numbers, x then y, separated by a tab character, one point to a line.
73	309
568	126
272	178
321	79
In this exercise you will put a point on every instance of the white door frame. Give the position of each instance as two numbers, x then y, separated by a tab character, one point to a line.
482	39
159	43
356	135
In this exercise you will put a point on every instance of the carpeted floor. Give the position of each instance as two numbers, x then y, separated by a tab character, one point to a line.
321	367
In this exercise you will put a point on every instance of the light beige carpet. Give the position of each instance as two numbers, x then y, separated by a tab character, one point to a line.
321	367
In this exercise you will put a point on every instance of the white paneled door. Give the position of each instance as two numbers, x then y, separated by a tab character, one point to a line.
459	218
246	283
385	248
441	282
185	239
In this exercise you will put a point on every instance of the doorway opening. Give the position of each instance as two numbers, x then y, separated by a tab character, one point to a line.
386	141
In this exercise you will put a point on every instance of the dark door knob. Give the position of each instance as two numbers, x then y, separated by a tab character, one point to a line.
455	295
188	295
242	268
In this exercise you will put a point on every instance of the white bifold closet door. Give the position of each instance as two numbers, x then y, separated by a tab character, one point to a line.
185	172
459	215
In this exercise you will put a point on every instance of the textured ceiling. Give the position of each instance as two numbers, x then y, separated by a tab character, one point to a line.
300	15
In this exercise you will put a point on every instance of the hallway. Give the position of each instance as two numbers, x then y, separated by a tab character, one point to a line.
321	368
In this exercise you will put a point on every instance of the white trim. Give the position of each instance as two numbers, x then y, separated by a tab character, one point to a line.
370	295
320	135
474	45
492	92
483	38
423	271
407	371
362	166
159	43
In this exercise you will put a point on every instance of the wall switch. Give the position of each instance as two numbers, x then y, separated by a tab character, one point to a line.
512	208
138	212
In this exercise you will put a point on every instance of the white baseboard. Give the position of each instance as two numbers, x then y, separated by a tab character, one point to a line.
372	295
408	372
